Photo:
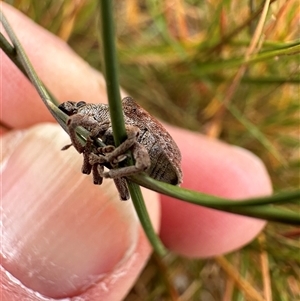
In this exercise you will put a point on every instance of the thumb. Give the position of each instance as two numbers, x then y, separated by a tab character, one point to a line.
62	236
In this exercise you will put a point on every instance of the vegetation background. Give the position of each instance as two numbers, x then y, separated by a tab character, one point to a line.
182	61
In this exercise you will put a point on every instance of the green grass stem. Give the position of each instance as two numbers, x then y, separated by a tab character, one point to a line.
116	113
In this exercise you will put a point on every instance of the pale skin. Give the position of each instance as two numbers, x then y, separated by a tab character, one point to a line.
209	166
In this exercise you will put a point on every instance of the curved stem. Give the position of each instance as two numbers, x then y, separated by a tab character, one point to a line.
255	207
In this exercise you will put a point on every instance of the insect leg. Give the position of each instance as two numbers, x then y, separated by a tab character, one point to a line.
97	172
122	188
118	152
142	162
86	122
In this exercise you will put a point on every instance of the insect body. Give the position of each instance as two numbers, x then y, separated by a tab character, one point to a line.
154	150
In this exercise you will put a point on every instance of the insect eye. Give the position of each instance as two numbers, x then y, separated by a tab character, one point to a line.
81	104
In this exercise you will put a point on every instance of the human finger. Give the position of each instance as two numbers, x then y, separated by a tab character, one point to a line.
219	169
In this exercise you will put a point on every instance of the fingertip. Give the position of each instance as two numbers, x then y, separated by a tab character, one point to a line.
215	168
57	224
64	73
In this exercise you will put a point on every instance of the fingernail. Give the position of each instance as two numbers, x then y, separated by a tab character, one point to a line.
60	234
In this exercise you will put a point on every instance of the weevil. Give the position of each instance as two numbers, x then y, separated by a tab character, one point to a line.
154	150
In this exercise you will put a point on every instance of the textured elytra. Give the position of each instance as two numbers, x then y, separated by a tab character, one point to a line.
149	139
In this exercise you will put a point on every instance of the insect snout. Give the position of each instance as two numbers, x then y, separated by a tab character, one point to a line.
71	107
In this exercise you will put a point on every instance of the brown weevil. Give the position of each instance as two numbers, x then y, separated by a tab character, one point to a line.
154	150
